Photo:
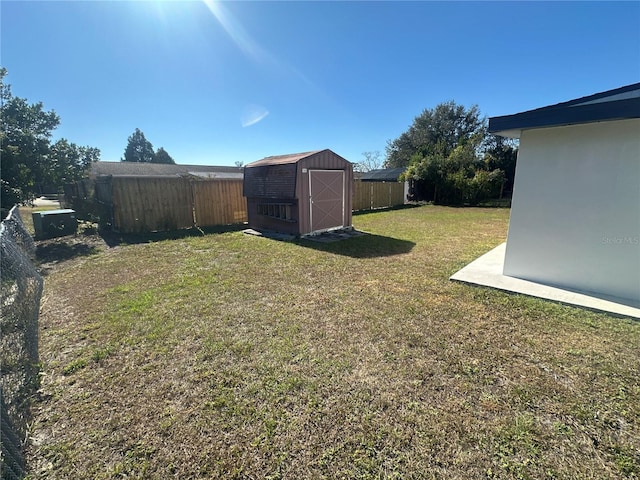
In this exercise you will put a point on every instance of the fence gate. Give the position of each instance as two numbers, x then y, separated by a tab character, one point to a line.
326	189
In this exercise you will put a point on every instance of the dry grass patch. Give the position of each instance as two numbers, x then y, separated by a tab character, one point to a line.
232	356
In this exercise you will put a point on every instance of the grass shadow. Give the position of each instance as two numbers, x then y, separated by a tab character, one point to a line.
114	239
406	206
366	245
54	252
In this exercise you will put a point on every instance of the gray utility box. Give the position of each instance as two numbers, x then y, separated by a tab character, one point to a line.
54	223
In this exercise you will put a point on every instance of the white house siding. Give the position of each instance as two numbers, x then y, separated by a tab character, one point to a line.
575	215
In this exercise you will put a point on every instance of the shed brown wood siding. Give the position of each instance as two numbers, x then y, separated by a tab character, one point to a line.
263	222
324	160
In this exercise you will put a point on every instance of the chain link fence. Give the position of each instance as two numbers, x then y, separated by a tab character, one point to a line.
21	289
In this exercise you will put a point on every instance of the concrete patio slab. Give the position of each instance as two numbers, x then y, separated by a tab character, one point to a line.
487	271
324	237
334	235
286	237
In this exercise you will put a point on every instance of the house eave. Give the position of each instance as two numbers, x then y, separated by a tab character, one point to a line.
619	104
512	125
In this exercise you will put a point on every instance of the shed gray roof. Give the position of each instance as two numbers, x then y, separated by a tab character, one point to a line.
382	175
162	169
617	104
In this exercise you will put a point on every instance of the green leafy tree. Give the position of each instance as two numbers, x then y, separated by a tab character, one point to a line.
502	153
436	131
426	174
69	162
446	153
139	149
162	156
29	161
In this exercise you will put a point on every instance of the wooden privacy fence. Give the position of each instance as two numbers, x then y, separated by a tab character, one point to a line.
160	203
372	195
219	202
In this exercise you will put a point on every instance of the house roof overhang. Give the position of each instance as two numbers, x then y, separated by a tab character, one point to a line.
102	168
382	175
618	104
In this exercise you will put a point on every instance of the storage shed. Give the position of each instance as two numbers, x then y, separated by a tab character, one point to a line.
301	193
575	214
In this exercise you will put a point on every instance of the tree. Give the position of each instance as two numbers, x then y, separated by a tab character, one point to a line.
502	153
29	160
162	156
445	152
68	162
436	131
370	161
439	176
139	149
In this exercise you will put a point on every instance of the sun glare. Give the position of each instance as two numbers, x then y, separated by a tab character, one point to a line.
237	33
256	52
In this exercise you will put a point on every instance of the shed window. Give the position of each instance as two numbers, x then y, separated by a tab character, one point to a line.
276	210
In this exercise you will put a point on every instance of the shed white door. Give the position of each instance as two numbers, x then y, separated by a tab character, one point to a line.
326	192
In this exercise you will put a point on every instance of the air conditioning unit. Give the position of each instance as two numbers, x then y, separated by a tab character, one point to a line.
54	223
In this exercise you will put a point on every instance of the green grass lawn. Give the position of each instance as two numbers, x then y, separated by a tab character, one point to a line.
234	356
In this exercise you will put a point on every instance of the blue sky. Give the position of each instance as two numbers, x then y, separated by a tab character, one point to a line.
219	82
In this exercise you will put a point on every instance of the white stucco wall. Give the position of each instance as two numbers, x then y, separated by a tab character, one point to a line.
575	214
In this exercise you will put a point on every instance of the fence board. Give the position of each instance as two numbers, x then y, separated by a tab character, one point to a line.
102	186
219	202
361	195
148	204
397	194
379	195
372	195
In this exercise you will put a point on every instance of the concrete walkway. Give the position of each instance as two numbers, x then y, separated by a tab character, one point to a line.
487	271
45	202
